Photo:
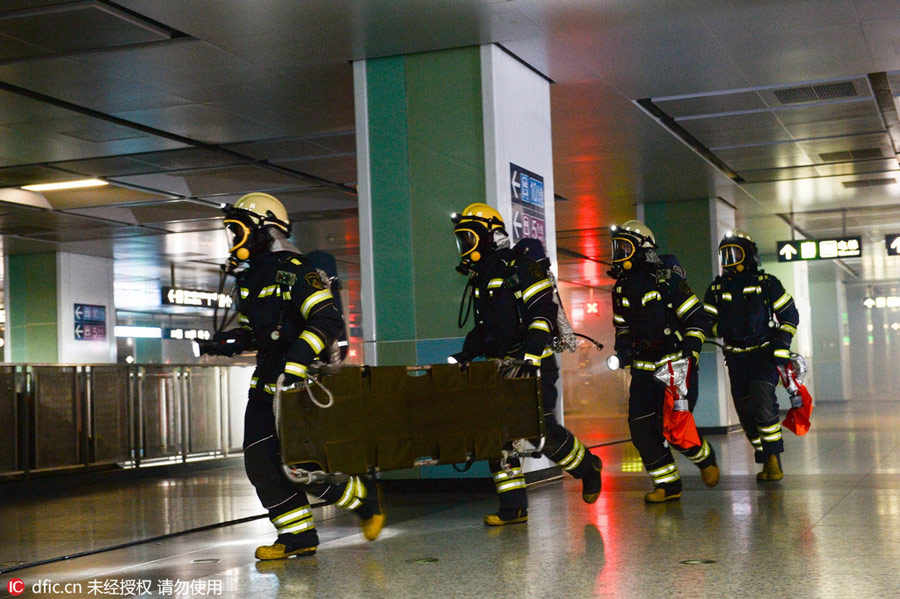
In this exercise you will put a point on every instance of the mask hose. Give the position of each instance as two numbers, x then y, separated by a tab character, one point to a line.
467	302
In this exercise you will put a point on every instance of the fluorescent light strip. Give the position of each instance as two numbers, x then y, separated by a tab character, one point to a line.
139	332
65	185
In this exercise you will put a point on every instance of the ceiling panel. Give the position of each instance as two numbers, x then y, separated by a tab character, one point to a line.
174	68
711	104
73	81
870	124
201	122
863	166
173	211
858	146
765	157
186	159
236	179
780	174
283	149
339	168
96	196
15	176
837	111
77	28
736	129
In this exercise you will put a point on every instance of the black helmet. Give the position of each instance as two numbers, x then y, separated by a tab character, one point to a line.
630	242
479	230
737	251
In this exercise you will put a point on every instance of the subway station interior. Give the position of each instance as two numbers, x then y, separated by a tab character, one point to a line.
122	471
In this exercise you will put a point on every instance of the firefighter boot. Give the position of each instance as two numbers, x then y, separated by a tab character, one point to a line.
504	517
286	546
771	469
591	481
664	492
372	518
710	472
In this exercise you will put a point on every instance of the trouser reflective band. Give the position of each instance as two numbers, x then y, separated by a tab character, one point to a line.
573	460
701	453
757	443
354	494
295	521
770	433
508	480
666	474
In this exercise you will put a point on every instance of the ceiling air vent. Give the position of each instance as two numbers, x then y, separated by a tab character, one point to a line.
813	93
849	155
868	183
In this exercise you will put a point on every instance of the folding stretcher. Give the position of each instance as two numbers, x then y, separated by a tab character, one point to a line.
382	418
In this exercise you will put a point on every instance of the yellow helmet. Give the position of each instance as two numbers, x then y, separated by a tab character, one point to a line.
627	239
251	214
474	228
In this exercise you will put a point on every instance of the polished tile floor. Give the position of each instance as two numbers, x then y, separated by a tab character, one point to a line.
831	528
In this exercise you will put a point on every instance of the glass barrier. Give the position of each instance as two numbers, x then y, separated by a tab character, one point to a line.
55	416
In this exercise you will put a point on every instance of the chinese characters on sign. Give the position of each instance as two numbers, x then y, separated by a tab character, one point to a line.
90	322
175	296
823	249
527	193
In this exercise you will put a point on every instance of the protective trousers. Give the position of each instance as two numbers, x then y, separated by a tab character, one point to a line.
753	377
645	421
287	504
560	445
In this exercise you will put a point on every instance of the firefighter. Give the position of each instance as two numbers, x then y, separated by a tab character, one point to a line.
657	319
287	314
515	316
757	320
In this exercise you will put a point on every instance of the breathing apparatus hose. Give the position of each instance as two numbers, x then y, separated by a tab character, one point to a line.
467	302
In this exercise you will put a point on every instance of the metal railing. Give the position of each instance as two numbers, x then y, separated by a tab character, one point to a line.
62	417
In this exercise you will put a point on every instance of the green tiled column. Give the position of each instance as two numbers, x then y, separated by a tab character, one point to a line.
425	157
32	306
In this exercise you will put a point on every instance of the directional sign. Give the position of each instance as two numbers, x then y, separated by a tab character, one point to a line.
527	194
823	249
175	296
90	322
892	244
90	332
90	313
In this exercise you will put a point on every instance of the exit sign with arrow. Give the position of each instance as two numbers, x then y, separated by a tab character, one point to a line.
822	249
892	244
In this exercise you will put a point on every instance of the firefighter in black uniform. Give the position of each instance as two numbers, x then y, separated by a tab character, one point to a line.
757	320
657	319
515	316
287	314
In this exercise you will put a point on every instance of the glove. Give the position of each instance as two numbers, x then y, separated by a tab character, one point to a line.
533	361
461	358
223	343
781	356
294	376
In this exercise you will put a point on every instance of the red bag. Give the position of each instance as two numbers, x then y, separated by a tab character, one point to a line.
679	427
797	419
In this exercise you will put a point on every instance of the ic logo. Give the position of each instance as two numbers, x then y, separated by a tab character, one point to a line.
16	586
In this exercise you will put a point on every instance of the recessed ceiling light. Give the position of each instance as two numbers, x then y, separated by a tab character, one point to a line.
65	185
